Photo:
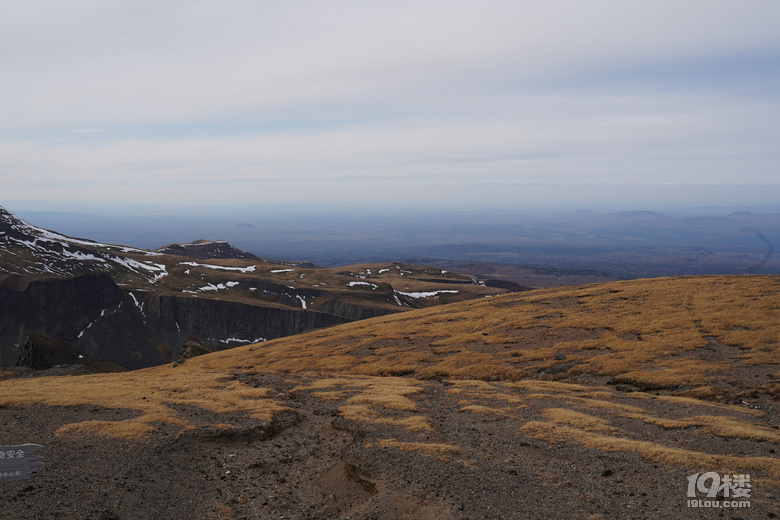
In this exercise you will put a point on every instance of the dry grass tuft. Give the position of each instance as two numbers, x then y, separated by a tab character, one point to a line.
154	393
363	413
488	411
579	420
717	425
440	451
370	399
129	430
655	452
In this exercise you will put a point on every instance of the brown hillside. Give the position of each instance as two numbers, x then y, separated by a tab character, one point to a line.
596	402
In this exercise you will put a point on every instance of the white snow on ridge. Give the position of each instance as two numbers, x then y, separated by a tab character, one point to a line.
250	269
137	304
303	302
282	270
26	227
212	287
81	256
238	340
373	286
425	294
159	270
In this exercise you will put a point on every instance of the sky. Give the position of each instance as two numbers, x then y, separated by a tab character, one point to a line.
367	102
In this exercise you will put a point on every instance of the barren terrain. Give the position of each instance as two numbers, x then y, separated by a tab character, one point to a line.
590	402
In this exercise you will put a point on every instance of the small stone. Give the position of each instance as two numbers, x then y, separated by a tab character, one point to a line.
606	473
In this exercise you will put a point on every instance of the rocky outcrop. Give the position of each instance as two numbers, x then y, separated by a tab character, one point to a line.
505	284
351	311
135	329
205	250
192	349
42	353
218	324
58	308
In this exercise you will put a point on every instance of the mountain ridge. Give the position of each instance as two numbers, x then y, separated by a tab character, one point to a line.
164	292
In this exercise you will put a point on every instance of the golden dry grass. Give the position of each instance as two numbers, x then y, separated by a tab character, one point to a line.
653	451
723	426
579	420
688	335
435	450
152	393
588	414
368	399
488	411
652	333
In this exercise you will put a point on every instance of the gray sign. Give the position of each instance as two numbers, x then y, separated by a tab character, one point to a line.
18	462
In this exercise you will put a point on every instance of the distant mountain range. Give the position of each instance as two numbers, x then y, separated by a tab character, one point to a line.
137	308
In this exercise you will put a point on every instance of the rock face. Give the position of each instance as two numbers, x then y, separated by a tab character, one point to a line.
42	353
59	308
206	249
218	324
192	349
107	322
351	311
136	308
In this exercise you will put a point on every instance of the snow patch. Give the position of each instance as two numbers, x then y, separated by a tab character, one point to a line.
250	269
239	340
219	286
425	294
137	304
353	284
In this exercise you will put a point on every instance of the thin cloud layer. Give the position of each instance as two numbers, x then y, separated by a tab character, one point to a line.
180	97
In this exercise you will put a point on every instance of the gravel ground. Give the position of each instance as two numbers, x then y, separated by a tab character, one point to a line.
315	464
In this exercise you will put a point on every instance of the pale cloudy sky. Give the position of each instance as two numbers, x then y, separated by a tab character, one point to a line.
237	101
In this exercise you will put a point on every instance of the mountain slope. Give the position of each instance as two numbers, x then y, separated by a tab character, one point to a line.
161	301
29	250
591	402
206	249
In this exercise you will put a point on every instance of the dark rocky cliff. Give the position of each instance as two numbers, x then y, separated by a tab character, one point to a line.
134	329
42	353
58	308
351	311
218	324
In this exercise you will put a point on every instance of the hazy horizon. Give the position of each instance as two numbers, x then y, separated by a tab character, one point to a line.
372	104
622	240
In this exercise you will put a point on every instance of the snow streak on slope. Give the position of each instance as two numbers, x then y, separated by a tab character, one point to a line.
40	251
